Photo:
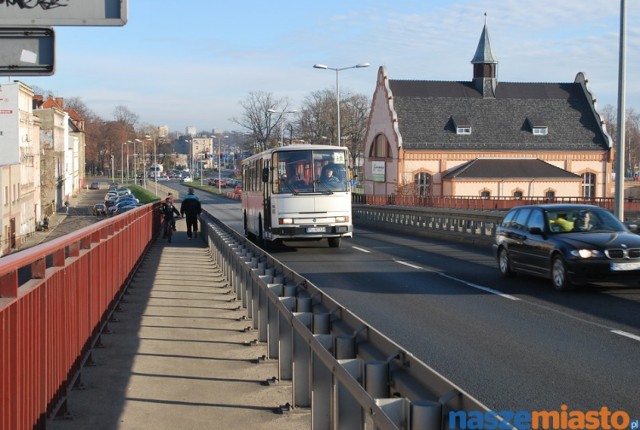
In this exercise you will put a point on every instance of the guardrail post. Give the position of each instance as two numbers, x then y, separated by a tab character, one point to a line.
260	304
348	410
301	364
285	341
426	414
377	379
321	323
345	347
272	329
321	381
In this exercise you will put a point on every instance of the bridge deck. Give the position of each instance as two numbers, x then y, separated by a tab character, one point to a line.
176	357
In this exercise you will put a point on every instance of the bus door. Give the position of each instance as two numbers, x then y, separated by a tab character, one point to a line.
266	194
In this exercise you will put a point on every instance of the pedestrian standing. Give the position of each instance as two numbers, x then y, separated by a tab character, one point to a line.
191	208
66	205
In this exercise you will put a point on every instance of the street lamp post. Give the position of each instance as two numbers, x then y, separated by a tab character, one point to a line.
282	118
155	161
135	160
113	171
337	70
122	164
219	163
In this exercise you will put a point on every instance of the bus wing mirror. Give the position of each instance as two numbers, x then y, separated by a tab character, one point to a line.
265	174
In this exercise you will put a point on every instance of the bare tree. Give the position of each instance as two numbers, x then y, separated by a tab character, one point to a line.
317	122
256	117
354	125
631	137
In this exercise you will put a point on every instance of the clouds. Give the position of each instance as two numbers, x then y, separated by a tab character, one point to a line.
191	64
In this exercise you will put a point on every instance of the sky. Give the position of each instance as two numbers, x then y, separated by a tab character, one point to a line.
185	63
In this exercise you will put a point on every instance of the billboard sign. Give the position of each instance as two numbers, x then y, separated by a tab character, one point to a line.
27	51
17	13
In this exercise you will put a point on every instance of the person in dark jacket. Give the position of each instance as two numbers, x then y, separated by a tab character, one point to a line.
191	208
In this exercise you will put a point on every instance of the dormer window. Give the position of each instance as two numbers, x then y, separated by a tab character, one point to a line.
540	131
462	124
538	126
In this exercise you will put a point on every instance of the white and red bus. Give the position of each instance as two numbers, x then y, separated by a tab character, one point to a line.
297	192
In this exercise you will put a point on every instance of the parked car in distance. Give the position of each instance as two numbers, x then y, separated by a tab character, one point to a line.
213	182
570	244
100	209
94	186
186	179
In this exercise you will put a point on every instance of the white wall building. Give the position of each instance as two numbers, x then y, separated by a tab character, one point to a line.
20	153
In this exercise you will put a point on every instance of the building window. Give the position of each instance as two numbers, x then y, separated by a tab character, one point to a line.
485	194
540	131
588	185
423	183
462	124
517	195
380	147
550	194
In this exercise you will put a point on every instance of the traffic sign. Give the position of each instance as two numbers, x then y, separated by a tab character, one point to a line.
63	12
27	51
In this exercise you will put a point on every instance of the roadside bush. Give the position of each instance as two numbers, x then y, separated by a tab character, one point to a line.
143	195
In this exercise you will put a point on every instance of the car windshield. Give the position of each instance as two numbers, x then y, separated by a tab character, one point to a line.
565	220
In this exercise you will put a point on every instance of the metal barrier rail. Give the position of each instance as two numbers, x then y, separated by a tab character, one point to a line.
326	350
55	299
477	227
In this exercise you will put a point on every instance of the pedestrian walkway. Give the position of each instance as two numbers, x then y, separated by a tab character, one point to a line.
180	355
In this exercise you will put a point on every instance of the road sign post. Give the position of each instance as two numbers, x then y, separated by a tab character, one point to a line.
27	51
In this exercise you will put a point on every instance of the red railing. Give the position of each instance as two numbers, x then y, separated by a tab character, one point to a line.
54	300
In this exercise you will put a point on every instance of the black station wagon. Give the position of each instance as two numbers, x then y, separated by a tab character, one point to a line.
569	244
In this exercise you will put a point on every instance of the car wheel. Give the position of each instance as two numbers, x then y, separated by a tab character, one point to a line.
559	277
504	263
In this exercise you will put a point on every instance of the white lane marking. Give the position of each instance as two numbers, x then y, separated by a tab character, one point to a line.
410	265
362	249
625	334
510	297
470	284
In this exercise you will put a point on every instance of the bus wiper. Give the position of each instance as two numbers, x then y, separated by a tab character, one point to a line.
326	190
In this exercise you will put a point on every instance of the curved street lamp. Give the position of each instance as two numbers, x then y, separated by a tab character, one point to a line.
282	117
337	70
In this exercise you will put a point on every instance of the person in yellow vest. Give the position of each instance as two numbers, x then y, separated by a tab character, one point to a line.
561	223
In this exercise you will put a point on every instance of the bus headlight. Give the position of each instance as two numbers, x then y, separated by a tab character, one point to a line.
285	221
342	219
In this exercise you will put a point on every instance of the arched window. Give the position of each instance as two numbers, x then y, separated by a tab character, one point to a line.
517	195
485	194
423	183
588	185
550	194
380	147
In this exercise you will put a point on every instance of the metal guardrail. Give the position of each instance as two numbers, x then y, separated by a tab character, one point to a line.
476	227
359	378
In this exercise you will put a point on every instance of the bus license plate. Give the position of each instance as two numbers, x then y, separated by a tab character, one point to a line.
316	229
625	266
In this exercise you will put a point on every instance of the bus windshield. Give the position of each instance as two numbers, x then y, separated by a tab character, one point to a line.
311	171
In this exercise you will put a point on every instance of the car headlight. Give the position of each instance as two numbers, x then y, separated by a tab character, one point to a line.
586	253
285	221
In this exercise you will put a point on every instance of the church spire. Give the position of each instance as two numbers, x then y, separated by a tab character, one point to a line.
484	64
